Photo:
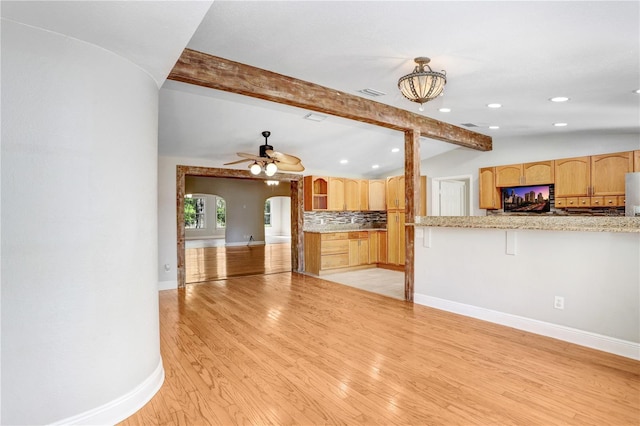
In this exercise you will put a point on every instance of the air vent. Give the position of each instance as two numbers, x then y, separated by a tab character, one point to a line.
372	92
315	117
469	125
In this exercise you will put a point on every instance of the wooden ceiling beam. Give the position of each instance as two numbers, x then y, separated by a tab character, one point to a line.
205	70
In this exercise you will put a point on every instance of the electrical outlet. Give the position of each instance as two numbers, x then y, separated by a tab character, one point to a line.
558	302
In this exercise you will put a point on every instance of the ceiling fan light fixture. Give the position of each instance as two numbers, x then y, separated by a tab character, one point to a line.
423	84
255	169
270	169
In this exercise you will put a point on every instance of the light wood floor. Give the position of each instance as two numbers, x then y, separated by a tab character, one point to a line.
214	263
293	349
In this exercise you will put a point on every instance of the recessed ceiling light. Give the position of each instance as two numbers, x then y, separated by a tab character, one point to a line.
395	150
636	91
494	105
494	127
375	166
560	124
344	161
559	99
445	110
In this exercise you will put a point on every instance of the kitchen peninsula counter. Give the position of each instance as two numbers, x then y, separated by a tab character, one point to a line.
546	223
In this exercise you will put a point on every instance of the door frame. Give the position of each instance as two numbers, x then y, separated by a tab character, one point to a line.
297	214
435	192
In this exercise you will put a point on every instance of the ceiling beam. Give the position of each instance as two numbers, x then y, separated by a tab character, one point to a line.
205	70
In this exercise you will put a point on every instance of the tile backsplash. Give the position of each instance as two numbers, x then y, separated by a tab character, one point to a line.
342	218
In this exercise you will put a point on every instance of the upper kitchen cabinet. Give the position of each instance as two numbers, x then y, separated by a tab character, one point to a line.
395	193
636	161
364	195
573	177
377	195
607	173
351	194
316	193
537	173
336	193
489	193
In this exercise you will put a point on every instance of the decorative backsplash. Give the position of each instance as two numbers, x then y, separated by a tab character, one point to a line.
378	218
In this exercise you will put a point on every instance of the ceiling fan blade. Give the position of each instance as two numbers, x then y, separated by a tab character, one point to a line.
249	156
236	162
283	158
285	167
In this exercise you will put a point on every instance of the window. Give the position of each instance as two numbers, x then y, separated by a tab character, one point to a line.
221	213
267	213
194	213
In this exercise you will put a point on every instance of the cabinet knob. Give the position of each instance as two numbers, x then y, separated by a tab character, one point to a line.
570	202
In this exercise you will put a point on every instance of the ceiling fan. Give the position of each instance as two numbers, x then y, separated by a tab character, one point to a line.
269	160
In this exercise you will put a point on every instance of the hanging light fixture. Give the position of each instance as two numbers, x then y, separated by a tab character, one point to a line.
423	84
255	168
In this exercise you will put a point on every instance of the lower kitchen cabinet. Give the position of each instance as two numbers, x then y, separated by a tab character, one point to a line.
330	252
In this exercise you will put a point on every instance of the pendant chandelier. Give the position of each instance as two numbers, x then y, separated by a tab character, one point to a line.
423	84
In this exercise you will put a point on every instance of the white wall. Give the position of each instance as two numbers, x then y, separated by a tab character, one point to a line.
280	217
79	243
554	146
598	274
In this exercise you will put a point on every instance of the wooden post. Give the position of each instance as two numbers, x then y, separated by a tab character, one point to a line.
412	204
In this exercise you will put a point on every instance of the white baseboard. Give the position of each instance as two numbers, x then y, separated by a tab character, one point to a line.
167	285
579	337
253	243
120	408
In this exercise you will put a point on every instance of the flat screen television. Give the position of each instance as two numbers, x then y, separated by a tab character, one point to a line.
527	199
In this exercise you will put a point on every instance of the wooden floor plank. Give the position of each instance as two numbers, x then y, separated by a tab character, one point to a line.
293	349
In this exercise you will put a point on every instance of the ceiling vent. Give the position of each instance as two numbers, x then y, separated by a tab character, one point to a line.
372	92
469	125
315	117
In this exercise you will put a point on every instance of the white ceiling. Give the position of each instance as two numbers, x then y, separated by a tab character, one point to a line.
516	53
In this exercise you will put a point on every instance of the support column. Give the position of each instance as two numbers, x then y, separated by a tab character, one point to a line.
412	205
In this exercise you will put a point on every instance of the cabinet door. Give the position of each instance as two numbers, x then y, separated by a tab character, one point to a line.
607	173
351	194
363	252
364	195
539	173
401	193
354	254
393	226
508	175
392	193
382	247
377	195
489	194
373	247
636	161
572	177
336	193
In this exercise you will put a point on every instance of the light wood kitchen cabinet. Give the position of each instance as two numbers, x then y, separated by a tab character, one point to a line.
395	193
336	194
315	193
364	195
351	194
489	193
382	246
573	177
374	246
509	175
607	173
324	252
358	248
537	173
395	237
636	161
377	194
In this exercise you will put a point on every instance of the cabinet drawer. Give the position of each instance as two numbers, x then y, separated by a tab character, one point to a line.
335	236
561	202
334	246
360	235
611	201
584	201
333	261
597	201
572	202
621	200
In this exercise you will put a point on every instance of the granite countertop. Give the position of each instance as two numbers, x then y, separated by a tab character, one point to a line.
548	223
350	227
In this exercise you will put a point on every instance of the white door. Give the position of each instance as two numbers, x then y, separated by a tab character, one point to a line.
452	198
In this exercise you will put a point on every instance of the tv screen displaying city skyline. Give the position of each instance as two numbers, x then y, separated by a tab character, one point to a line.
532	199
